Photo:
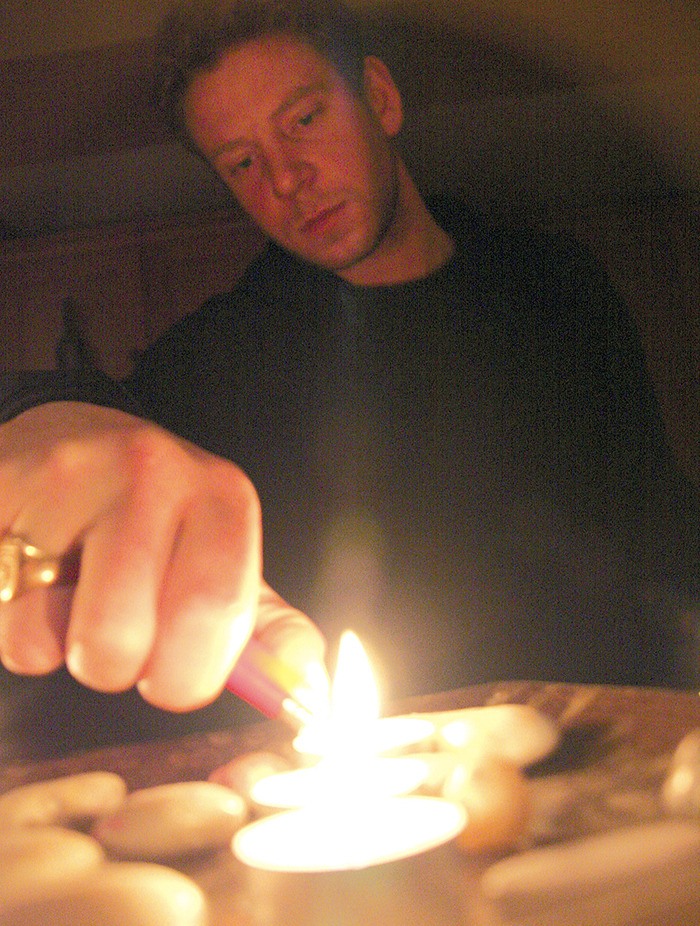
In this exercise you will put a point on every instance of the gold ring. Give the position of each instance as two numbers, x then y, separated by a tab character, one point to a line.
24	566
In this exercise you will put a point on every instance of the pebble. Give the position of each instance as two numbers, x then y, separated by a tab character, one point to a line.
516	732
172	821
73	800
496	796
681	787
659	859
37	858
243	773
117	894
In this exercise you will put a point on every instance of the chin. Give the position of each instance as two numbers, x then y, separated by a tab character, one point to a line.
350	255
331	260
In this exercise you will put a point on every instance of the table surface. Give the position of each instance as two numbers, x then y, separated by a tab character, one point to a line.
607	773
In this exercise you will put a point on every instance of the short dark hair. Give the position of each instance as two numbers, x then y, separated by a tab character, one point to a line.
197	33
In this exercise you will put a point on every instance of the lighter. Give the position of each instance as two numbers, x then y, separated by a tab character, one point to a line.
271	686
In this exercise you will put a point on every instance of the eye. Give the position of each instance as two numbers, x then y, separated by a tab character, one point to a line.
242	165
235	167
309	116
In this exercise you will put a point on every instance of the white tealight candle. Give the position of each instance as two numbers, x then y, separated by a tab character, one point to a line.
349	814
350	836
382	735
349	742
329	782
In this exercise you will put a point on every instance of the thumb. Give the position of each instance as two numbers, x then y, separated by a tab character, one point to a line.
297	642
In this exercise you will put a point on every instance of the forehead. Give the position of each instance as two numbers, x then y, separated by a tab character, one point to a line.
255	80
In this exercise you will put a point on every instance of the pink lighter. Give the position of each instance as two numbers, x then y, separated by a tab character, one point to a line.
271	686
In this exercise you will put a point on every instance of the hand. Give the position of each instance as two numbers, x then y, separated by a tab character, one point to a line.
169	539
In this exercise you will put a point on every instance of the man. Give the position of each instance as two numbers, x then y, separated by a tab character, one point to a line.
454	440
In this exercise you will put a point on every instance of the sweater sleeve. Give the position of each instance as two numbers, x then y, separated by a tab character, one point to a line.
20	391
145	391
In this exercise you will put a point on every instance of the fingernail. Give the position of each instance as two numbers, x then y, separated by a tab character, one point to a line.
75	661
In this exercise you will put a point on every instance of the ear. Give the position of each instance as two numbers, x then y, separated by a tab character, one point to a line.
382	95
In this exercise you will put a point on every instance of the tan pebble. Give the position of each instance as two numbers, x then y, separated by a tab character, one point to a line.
516	732
681	787
38	858
243	773
117	894
496	796
642	873
74	800
173	820
688	750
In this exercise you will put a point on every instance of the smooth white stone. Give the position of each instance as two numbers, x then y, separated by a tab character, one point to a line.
117	894
73	800
496	796
613	878
681	788
36	859
172	820
516	732
243	773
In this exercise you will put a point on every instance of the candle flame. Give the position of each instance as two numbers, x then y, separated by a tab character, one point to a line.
347	729
354	699
348	743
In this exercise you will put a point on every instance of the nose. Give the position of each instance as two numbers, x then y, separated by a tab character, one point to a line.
288	170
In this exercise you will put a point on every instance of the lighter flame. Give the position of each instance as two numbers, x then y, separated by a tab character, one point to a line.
354	702
348	743
350	815
352	728
348	728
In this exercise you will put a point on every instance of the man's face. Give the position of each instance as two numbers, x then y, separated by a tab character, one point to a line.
308	160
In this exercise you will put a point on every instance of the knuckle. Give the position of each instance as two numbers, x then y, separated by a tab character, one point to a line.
210	584
145	454
151	470
64	465
241	494
232	506
249	493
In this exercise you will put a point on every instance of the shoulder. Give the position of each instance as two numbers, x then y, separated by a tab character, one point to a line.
536	275
521	251
544	291
271	280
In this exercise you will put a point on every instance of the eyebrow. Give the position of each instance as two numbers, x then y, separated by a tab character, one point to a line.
299	94
227	146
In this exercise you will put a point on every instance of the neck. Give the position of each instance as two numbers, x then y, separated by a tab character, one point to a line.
413	246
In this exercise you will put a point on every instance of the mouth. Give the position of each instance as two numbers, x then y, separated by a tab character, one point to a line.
322	221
